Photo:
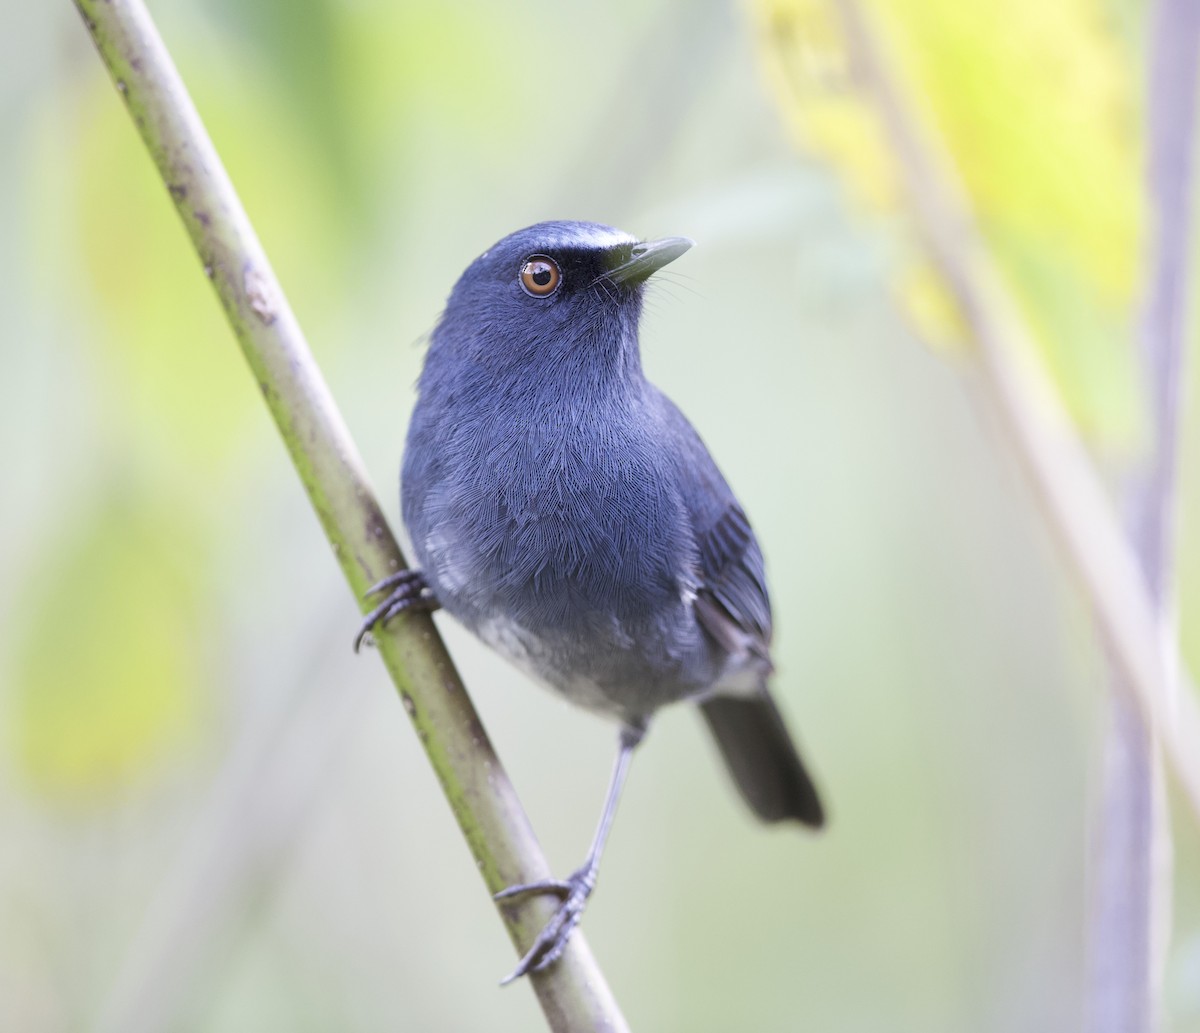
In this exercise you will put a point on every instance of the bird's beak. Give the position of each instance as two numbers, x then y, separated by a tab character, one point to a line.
649	257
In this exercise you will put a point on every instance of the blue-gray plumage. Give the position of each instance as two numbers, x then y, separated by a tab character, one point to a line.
563	509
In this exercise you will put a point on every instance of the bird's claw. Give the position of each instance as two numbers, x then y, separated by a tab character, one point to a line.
398	577
552	940
407	590
559	887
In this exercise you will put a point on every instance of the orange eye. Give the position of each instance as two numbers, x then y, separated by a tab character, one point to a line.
540	276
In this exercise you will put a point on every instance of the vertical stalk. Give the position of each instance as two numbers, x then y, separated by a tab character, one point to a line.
1130	922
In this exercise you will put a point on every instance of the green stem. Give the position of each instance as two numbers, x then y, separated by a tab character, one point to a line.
573	993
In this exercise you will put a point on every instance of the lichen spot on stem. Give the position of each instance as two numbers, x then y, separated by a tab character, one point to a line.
259	294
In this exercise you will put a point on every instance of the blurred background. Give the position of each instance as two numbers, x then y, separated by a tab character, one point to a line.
215	817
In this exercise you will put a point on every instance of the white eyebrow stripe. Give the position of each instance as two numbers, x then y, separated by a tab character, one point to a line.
588	236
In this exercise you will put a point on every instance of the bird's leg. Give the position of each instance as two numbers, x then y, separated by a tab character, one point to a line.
407	590
577	887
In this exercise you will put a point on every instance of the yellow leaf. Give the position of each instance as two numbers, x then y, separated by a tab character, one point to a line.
1036	107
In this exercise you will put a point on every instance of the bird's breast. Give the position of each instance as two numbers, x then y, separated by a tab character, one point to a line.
554	523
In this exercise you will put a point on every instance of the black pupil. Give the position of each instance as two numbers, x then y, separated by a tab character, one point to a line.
541	274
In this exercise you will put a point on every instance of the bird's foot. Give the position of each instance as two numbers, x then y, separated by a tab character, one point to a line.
407	590
552	940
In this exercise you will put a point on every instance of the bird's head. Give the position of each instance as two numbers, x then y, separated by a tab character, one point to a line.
557	292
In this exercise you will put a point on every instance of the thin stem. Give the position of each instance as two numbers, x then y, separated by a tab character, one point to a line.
572	993
1064	482
1128	589
1130	927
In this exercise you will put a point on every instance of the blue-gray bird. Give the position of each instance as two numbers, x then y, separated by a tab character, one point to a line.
563	509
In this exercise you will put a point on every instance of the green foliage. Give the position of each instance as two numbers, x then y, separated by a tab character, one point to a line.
164	368
110	672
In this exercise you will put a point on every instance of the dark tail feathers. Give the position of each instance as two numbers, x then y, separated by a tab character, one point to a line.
762	758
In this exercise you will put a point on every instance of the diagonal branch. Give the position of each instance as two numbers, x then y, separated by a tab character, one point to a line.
572	993
1065	484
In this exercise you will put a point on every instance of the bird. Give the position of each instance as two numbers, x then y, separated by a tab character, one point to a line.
564	510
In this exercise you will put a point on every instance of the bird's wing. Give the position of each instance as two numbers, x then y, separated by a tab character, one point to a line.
732	570
732	602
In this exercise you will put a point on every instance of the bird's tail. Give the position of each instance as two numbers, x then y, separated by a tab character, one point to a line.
762	758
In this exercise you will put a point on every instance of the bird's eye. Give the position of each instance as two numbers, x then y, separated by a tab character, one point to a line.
540	276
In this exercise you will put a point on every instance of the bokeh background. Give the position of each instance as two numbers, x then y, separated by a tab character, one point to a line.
213	816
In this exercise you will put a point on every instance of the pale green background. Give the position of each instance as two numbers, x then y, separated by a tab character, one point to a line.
188	746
